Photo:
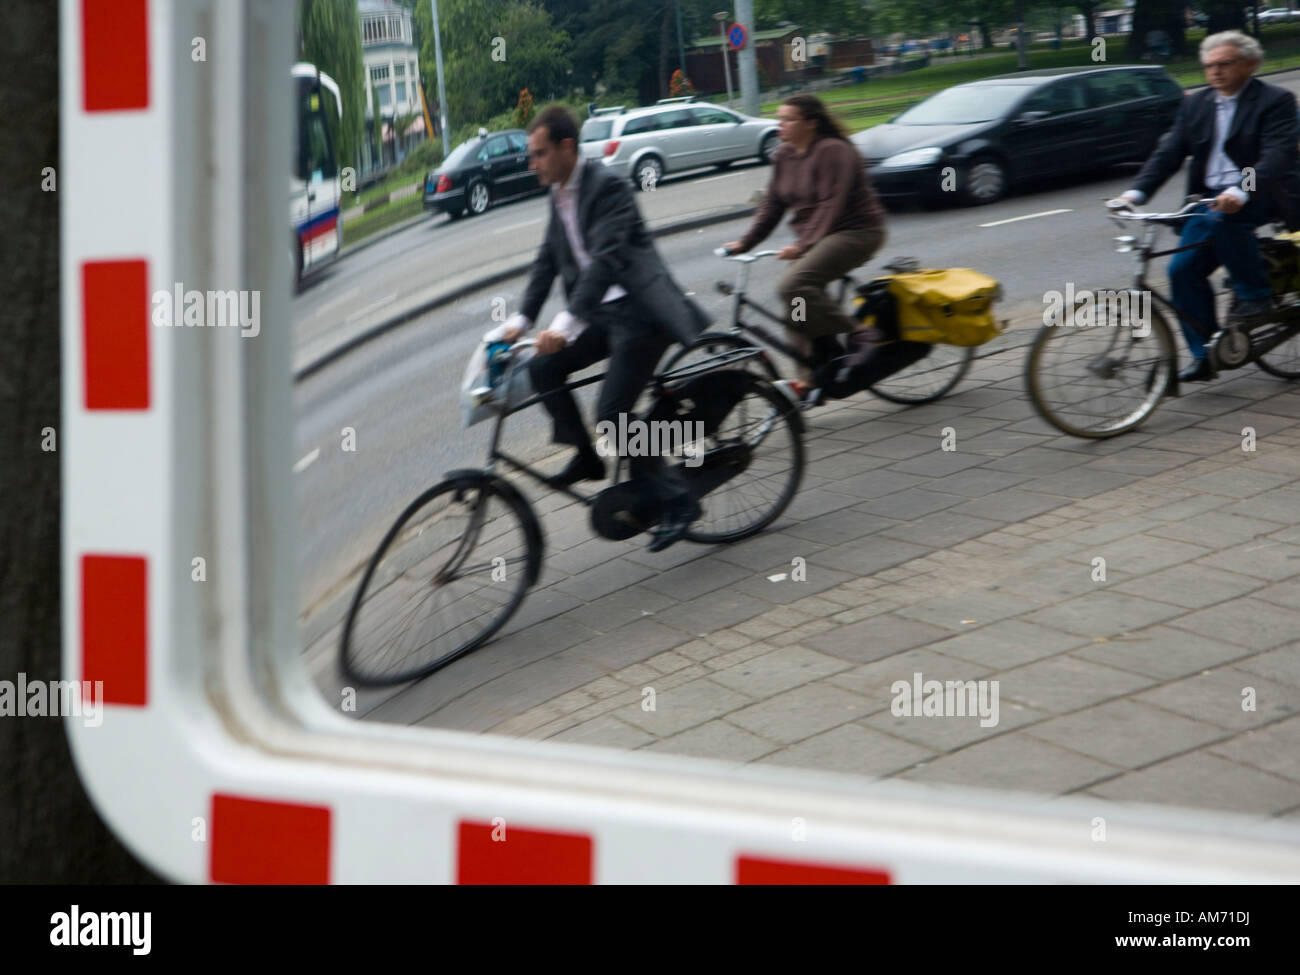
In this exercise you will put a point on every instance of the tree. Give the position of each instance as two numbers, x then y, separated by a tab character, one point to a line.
1224	15
331	40
1089	10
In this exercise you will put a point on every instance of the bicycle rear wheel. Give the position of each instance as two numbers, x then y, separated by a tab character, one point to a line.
756	453
930	379
452	569
1282	360
709	345
1100	380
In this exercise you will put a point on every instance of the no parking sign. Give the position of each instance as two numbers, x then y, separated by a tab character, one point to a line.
737	36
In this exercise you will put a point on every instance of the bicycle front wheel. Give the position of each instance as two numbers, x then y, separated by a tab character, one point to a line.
752	464
929	379
453	568
1100	380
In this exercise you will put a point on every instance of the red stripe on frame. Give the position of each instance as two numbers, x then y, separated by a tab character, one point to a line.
255	841
115	54
320	230
115	332
757	870
114	626
521	856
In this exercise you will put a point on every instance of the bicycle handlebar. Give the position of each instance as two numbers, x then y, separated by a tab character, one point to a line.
743	258
1187	211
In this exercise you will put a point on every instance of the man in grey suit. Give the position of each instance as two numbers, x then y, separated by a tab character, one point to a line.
622	305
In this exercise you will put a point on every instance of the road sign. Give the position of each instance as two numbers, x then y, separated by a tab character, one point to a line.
736	37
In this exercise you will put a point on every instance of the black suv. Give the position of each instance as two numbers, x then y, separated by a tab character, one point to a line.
487	169
975	140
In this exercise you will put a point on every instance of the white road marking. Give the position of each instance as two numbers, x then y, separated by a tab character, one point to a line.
369	308
336	301
516	226
307	461
1027	216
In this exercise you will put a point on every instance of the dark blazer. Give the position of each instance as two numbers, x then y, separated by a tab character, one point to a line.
622	252
1263	136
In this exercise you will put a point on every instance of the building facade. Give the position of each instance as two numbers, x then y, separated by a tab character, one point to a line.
392	75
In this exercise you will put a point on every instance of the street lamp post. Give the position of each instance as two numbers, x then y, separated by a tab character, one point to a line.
442	92
721	18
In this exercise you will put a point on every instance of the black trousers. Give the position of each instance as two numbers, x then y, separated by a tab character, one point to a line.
634	347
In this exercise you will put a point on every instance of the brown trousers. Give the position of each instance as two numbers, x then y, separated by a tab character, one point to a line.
811	311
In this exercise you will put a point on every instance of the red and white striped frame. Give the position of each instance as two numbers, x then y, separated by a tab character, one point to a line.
209	770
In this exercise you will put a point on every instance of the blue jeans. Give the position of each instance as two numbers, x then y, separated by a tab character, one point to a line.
1232	245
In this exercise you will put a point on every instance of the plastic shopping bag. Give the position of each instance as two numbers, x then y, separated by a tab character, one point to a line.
490	385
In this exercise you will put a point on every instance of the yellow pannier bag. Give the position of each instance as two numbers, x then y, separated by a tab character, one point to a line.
951	306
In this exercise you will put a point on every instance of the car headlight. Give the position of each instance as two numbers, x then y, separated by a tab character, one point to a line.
913	157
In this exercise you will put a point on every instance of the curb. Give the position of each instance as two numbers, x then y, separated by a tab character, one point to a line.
478	284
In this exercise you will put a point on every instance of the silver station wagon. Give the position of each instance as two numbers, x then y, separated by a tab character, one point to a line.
675	134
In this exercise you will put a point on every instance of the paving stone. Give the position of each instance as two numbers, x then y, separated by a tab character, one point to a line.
1192	586
1105	613
940	463
685	706
1140	554
1237	483
998	443
1281	505
1204	781
943	528
717	739
874	681
1162	652
604	579
1282	664
904	446
1127	733
1218	696
853	749
1281	593
630	644
606	731
1007	643
800	713
976	605
1014	761
620	608
715	611
866	558
1038	463
1263	558
666	663
1079	482
979	482
905	506
875	484
841	526
1251	623
875	638
1275	749
808	505
1010	505
695	578
1144	459
945	735
1188	509
1065	683
779	670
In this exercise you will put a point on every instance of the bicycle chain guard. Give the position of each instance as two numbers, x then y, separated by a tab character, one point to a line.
621	511
1229	349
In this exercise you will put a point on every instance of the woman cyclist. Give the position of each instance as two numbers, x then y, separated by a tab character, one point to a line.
819	176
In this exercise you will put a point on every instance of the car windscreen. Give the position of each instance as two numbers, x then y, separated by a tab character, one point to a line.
459	153
595	129
964	104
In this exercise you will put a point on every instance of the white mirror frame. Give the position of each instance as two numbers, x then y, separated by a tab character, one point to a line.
216	760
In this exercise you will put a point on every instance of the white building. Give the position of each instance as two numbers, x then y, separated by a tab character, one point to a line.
392	72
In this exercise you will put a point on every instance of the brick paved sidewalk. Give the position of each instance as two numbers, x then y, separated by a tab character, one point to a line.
1173	679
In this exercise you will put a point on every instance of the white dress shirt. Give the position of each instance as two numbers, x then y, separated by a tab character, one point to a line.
565	196
1219	169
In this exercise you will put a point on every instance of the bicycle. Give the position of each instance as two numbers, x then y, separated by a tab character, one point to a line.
1104	379
935	375
459	560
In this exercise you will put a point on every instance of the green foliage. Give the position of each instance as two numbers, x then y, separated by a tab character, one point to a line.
330	33
523	110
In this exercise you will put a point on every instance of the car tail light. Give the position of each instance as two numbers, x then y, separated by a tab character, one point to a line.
611	147
444	184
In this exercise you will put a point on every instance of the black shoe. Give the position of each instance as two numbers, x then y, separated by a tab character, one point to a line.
581	467
1198	372
1250	312
673	525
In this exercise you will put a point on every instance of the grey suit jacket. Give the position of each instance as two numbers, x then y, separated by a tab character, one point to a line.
622	252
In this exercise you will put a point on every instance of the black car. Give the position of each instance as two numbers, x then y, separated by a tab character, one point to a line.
490	168
975	140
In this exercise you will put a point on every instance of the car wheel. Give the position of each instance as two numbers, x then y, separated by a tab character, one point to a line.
648	173
767	147
479	198
455	214
985	181
723	165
